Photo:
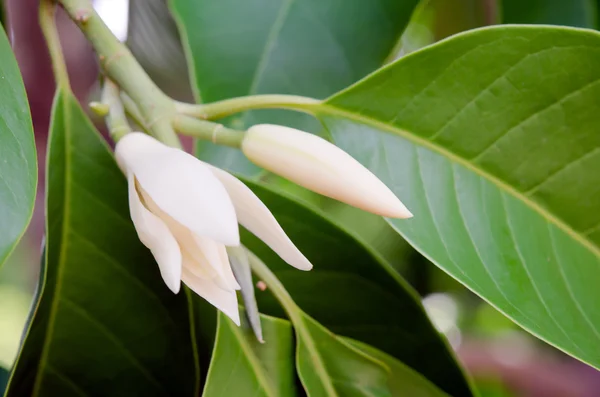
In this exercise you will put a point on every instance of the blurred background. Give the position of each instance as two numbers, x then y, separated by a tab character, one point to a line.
502	359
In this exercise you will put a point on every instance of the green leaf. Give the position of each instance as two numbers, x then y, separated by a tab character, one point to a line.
105	323
578	13
491	139
313	48
403	381
327	366
353	292
153	39
241	366
3	380
18	168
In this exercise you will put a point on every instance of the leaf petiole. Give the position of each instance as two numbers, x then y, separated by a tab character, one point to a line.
208	131
227	107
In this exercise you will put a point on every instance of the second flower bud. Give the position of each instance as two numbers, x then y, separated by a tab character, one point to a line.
316	164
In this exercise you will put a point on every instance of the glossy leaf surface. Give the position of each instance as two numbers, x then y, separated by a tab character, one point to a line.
328	366
353	292
242	366
314	48
577	13
3	380
490	140
18	170
105	323
403	381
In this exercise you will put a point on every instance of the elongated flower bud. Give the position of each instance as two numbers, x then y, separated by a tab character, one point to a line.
318	165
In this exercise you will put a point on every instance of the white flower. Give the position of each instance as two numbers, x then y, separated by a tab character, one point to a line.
318	165
186	212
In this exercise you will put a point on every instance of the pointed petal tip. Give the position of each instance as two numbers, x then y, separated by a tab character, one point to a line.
233	314
304	265
400	213
174	287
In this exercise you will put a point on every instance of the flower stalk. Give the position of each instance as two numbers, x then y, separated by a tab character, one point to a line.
121	66
220	109
208	131
116	119
47	19
272	283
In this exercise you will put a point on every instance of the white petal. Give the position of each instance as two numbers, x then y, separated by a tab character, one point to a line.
225	301
155	235
203	257
181	185
216	256
197	266
256	217
318	165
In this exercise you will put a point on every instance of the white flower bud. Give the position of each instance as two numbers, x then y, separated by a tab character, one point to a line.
318	165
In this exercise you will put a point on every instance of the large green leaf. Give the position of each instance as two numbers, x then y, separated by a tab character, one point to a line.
353	292
105	323
491	138
242	366
309	47
327	365
578	13
403	381
330	367
18	170
3	380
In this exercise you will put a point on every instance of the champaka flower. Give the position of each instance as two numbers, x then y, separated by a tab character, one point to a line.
186	212
320	166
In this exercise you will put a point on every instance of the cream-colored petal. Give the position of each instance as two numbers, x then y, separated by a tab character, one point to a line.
197	265
216	256
318	165
155	235
256	217
181	185
225	301
193	257
202	256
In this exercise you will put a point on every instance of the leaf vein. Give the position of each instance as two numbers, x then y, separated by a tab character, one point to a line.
434	222
66	380
568	284
520	123
110	335
532	190
485	90
122	269
532	281
485	266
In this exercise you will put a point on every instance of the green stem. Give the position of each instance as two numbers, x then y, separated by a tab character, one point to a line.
132	110
275	286
227	107
208	131
120	65
47	18
116	118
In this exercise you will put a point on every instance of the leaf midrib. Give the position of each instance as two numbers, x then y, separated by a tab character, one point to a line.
324	108
305	335
250	355
278	24
65	102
